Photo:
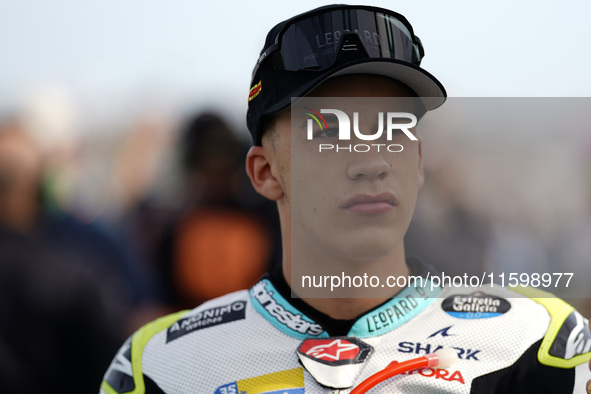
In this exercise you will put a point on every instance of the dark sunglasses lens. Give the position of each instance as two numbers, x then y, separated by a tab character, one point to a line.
315	43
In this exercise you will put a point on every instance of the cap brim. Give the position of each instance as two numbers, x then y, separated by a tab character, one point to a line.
420	81
425	85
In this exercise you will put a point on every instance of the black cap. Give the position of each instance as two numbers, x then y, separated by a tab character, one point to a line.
272	88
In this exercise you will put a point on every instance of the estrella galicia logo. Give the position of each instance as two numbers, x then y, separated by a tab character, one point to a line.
207	318
475	306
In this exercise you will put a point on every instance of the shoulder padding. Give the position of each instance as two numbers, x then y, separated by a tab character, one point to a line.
138	342
567	342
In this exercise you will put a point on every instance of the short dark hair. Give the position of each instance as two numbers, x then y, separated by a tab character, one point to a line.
269	129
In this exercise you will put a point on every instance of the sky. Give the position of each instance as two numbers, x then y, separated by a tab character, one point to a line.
116	51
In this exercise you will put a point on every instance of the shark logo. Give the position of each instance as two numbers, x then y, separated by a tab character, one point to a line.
444	332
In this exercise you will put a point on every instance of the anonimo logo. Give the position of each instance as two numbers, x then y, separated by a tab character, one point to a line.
206	318
395	122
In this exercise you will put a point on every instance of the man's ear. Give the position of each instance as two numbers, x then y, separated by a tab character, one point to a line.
421	173
258	169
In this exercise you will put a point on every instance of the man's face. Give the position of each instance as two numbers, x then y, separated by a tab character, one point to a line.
355	206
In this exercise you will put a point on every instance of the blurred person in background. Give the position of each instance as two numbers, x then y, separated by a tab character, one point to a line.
20	178
220	238
63	288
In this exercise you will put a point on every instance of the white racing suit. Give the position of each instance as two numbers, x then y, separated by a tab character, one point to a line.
258	341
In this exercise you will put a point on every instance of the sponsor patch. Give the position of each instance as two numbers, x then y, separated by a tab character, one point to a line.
254	91
475	306
335	351
421	348
401	309
436	373
426	348
334	362
283	382
281	314
205	319
573	338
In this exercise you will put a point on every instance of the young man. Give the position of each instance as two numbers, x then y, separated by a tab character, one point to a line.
348	212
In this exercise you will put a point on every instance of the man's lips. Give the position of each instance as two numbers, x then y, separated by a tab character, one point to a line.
368	204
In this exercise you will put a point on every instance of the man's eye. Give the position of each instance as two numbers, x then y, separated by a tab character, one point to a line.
330	132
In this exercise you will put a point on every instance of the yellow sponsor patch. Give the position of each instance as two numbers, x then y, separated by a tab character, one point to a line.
254	91
288	382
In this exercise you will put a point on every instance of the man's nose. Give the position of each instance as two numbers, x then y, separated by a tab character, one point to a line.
368	165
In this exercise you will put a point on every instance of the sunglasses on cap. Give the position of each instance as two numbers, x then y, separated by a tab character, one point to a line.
317	41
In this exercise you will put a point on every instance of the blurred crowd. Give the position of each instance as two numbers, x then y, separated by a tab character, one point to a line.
101	232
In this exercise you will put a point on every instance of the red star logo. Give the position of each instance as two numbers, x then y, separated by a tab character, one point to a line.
334	350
